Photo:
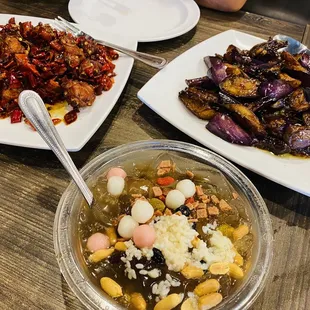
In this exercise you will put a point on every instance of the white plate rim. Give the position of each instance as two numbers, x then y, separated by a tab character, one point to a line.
76	146
144	96
193	10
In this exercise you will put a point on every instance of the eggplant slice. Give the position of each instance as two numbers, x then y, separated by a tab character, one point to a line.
297	100
267	51
275	124
275	89
273	145
295	69
204	82
306	118
304	60
226	99
217	68
198	102
234	55
224	127
288	79
238	86
247	119
297	137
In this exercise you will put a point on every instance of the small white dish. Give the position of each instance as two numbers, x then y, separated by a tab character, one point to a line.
161	95
146	20
77	134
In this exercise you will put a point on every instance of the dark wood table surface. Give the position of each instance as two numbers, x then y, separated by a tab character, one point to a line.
32	182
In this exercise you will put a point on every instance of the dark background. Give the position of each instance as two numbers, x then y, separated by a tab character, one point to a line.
296	11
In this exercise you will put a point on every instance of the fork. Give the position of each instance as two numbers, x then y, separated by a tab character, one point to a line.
151	60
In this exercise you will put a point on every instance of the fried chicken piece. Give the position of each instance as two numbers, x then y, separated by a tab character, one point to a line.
13	46
23	61
89	68
43	33
10	94
25	29
73	54
79	93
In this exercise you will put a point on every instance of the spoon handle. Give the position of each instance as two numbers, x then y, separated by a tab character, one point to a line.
34	109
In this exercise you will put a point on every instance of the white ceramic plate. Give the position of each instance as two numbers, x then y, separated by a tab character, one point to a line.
161	95
89	119
146	20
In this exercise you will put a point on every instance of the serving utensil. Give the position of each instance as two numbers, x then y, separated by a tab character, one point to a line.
34	109
294	46
151	60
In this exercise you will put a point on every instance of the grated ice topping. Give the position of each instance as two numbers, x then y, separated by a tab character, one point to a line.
209	227
221	250
173	238
174	235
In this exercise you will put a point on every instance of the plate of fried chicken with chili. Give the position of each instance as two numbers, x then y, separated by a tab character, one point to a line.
244	97
78	79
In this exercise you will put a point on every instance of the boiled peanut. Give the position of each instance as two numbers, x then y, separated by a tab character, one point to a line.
240	232
238	259
192	272
100	255
235	271
207	287
168	302
219	268
187	305
226	230
137	302
111	287
120	246
195	242
111	233
209	301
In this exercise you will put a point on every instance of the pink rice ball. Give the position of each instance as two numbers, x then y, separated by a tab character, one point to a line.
98	241
119	172
144	236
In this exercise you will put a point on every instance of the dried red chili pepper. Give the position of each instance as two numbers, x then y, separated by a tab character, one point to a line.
165	181
22	60
56	121
13	81
70	117
32	80
16	116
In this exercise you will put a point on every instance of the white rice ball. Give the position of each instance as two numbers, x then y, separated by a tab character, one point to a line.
186	187
126	226
174	199
115	185
142	211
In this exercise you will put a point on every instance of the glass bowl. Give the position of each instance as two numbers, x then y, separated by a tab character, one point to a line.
68	248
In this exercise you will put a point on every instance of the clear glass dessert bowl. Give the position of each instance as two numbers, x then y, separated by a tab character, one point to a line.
68	246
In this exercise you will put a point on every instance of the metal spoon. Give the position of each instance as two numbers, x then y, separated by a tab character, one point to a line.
34	109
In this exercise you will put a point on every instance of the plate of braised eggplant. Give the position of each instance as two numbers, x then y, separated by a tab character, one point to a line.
245	98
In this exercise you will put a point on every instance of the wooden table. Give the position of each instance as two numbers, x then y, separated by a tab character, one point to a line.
32	181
